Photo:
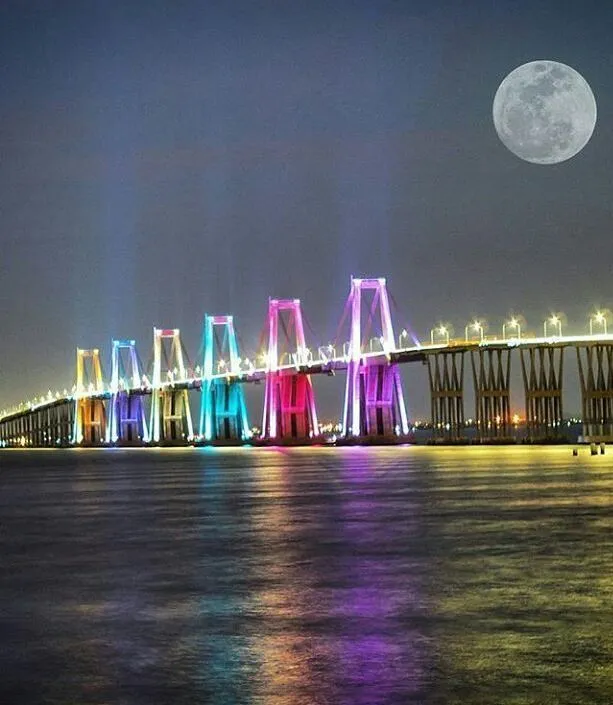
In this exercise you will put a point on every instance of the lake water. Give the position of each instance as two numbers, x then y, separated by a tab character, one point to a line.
306	576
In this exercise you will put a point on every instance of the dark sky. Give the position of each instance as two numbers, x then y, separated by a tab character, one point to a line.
159	160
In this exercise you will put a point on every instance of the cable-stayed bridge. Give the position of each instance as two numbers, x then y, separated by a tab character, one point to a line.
151	407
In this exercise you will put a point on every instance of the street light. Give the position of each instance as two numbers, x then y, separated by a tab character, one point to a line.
403	336
303	356
476	327
442	332
513	323
326	352
374	343
600	319
554	320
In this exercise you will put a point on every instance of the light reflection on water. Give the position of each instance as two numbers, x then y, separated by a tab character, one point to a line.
391	575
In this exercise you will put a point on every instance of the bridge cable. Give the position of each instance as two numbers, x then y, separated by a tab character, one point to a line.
407	326
341	324
186	357
310	327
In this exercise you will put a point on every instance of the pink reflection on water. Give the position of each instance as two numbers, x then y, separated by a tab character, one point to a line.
383	656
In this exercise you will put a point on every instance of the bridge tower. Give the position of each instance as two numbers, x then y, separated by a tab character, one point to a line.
289	402
223	412
374	402
90	414
446	376
171	419
127	423
541	368
596	376
491	369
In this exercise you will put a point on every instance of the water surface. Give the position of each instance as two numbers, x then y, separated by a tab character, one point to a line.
290	576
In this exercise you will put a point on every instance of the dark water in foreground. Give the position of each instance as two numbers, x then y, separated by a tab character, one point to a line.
283	577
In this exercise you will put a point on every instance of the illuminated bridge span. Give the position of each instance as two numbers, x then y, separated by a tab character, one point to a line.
137	408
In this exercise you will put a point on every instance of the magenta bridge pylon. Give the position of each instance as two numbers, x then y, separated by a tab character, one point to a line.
374	402
289	402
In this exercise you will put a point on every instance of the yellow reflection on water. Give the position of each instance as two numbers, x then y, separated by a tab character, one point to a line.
285	653
523	588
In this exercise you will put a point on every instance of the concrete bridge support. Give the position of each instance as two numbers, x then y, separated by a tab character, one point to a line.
446	376
90	421
171	419
127	419
90	415
62	422
289	400
10	430
289	406
50	425
595	362
491	369
223	412
374	402
542	368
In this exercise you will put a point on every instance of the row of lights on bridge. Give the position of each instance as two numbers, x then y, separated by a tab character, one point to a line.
552	326
512	329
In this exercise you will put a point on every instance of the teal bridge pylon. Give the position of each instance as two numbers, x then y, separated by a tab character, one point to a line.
223	412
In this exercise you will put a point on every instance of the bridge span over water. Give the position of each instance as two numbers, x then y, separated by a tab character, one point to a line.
138	407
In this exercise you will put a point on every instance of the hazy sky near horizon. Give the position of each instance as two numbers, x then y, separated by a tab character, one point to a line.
160	160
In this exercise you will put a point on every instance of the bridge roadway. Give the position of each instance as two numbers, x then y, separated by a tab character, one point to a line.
255	374
541	359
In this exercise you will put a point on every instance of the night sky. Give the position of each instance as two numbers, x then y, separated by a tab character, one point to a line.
160	160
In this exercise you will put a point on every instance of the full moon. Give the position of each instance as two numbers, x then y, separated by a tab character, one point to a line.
544	112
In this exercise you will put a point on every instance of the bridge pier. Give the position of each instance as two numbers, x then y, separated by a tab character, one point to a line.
127	422
171	419
491	372
9	431
223	412
446	376
374	403
289	401
50	425
90	410
595	361
64	422
40	426
90	422
289	407
542	368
